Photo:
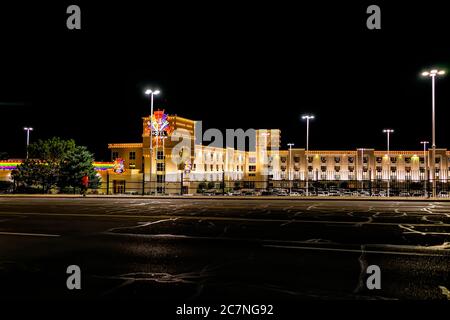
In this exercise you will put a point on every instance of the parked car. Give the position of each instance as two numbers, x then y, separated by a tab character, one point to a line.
379	194
443	194
251	193
281	193
334	193
295	194
322	193
404	194
364	193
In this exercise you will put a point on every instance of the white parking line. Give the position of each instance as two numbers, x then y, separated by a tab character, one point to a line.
218	218
29	234
402	253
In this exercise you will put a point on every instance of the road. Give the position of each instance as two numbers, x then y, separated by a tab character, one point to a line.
223	249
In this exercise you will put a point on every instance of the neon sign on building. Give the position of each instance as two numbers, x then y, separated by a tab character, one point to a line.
119	166
159	126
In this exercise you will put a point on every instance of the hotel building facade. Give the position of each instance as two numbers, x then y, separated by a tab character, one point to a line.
181	163
175	169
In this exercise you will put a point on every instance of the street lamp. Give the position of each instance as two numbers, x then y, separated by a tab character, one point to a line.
151	93
432	74
28	129
362	168
290	166
426	165
388	132
266	136
307	118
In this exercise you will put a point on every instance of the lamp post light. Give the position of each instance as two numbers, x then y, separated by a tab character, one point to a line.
426	166
362	168
388	132
432	74
151	93
28	129
266	136
307	118
290	166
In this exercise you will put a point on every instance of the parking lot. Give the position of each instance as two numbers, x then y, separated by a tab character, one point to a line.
332	192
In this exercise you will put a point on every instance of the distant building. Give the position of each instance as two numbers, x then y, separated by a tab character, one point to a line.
182	164
264	166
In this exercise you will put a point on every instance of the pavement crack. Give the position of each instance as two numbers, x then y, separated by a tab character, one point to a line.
445	292
363	265
141	224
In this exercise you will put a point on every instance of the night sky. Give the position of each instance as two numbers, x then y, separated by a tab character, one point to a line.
261	65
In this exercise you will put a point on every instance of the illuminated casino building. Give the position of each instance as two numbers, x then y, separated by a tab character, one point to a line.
179	163
265	166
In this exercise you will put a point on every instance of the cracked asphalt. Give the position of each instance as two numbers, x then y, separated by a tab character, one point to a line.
223	249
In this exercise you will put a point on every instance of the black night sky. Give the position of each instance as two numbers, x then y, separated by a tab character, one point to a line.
261	65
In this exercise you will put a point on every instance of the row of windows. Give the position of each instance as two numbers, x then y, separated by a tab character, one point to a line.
219	157
132	155
365	169
352	159
160	156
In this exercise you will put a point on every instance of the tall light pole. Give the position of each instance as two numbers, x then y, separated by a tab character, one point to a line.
28	129
151	93
432	74
307	118
362	169
388	132
266	154
425	164
290	166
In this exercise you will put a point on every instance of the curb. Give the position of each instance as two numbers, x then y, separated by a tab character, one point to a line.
251	198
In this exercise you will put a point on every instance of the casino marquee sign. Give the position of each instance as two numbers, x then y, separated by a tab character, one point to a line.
159	125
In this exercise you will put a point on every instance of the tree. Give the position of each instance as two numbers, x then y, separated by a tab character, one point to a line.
35	174
78	162
56	163
201	187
